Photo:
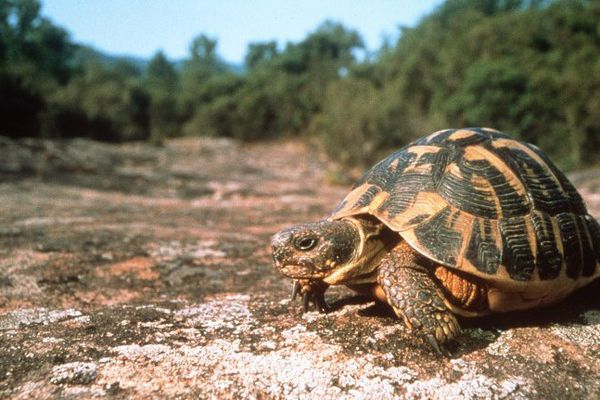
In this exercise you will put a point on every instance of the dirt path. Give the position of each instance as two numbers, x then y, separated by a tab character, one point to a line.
141	272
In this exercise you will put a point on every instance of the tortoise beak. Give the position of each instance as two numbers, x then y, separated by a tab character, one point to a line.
297	271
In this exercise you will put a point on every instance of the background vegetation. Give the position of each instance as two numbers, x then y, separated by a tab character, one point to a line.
530	68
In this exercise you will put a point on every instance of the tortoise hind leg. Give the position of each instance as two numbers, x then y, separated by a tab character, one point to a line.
415	297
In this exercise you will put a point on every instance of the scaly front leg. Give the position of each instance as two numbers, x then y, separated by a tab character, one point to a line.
413	294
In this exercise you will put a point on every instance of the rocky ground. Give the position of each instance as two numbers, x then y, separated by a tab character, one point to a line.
140	272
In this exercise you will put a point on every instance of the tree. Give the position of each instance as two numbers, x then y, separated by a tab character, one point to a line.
162	84
160	74
260	54
326	50
34	60
202	65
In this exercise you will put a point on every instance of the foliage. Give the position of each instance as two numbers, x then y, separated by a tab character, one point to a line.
101	103
350	126
34	57
528	67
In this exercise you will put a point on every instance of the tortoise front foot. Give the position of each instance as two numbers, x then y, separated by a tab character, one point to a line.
313	292
415	298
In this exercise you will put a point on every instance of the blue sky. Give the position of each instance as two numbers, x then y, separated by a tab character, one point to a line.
141	27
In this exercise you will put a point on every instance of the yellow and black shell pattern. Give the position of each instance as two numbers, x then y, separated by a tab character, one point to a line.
477	200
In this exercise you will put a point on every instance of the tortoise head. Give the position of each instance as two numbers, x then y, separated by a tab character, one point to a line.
315	250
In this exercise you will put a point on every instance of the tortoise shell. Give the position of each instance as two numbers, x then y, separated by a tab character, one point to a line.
481	202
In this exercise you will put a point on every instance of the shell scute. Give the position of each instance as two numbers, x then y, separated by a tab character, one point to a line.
482	249
545	187
549	260
437	235
517	255
569	232
403	194
594	230
466	190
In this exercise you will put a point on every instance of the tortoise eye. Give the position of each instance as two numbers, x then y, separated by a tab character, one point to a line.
305	243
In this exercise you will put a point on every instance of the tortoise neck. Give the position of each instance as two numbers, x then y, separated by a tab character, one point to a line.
373	244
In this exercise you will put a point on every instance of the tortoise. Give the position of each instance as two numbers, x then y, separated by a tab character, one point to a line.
460	222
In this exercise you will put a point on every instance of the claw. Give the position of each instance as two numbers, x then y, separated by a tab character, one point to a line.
305	301
320	303
295	289
318	299
436	346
